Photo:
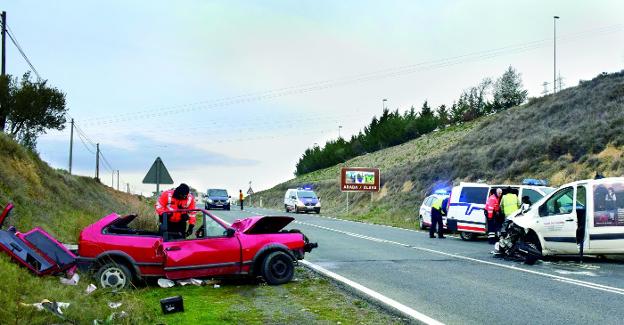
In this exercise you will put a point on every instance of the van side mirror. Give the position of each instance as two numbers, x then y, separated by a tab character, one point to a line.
230	232
229	196
543	210
293	197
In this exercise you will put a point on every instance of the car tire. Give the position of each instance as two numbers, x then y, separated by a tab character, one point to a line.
277	268
113	275
286	208
421	224
467	236
295	210
228	208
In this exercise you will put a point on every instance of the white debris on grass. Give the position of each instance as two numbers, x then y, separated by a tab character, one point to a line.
165	283
216	286
114	305
90	288
192	281
71	281
55	307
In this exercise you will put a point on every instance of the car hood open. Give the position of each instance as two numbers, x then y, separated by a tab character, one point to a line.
261	225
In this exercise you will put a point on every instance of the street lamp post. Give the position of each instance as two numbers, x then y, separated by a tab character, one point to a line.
383	103
555	54
339	127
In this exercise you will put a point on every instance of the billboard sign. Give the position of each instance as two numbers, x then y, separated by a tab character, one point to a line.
355	179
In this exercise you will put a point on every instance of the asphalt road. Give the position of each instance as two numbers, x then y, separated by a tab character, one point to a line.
458	282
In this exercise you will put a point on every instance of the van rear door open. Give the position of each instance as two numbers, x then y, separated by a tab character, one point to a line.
605	221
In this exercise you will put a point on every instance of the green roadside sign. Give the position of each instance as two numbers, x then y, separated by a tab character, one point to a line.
158	174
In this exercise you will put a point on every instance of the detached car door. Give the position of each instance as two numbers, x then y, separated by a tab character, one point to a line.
558	222
213	254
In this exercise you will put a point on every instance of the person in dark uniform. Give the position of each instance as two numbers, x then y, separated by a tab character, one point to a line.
436	219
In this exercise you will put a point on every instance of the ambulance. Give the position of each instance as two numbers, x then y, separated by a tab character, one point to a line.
465	211
587	215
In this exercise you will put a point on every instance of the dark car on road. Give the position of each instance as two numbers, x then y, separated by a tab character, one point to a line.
217	199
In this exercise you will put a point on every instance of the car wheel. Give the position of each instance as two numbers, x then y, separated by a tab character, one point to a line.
295	210
114	275
278	268
228	208
468	236
420	221
286	208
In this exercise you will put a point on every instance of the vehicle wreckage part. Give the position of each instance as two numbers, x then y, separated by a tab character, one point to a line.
114	275
278	268
468	236
172	305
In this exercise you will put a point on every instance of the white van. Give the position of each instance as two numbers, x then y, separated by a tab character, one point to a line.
301	200
591	211
467	203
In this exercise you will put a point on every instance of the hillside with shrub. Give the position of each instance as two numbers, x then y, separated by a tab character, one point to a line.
561	137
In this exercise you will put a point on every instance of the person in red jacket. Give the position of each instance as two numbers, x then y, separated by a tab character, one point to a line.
492	210
177	199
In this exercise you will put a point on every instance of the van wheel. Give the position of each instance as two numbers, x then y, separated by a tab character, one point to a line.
286	208
114	275
467	236
277	268
420	221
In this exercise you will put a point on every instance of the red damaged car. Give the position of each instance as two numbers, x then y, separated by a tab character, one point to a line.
256	246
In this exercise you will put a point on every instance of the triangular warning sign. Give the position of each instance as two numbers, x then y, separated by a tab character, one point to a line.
158	174
250	191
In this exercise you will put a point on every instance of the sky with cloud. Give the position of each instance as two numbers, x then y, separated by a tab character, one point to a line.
228	92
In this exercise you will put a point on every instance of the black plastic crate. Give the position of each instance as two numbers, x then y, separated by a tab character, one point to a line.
172	305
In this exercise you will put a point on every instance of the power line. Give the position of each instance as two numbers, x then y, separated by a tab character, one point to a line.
19	48
381	74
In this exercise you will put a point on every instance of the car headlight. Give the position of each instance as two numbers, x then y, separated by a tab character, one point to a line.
299	203
318	203
210	200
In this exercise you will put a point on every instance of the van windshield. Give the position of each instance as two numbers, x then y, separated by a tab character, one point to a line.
306	194
476	195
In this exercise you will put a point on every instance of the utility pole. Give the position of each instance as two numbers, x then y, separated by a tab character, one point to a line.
71	145
113	179
117	179
545	91
560	81
97	162
339	127
4	24
128	188
555	54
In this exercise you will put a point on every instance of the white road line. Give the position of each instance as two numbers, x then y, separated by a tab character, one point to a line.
586	284
373	294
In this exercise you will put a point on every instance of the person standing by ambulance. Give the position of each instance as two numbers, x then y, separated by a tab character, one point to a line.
241	198
436	218
177	199
492	211
510	203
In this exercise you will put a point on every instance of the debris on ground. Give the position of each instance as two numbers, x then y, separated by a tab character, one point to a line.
114	305
165	283
171	305
52	306
192	281
90	288
71	281
216	286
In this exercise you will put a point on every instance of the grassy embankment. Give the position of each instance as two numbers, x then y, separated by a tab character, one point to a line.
63	204
562	137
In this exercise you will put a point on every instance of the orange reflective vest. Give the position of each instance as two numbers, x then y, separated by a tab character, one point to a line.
492	205
167	203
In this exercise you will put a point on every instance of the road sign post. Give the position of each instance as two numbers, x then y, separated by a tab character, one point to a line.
158	174
358	179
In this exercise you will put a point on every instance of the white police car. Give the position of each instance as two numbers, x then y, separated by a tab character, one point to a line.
424	214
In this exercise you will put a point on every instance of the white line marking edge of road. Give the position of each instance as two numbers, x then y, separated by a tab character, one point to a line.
385	301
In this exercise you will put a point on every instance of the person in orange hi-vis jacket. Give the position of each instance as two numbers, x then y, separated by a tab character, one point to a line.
492	209
177	199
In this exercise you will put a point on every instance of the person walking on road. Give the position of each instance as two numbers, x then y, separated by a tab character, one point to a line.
436	218
241	198
492	211
167	205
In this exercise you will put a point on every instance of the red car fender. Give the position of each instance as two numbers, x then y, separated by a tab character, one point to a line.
257	259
